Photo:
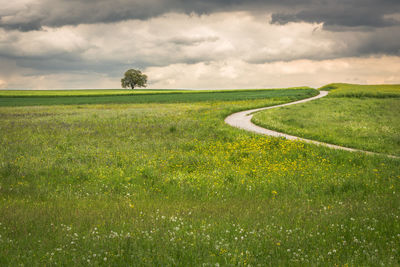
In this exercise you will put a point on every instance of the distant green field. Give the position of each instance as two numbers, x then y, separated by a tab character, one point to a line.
115	92
84	92
356	90
359	116
111	97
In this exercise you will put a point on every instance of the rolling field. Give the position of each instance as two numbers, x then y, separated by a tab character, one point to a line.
150	183
356	90
358	116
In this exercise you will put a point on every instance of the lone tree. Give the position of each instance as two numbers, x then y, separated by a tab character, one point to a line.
134	78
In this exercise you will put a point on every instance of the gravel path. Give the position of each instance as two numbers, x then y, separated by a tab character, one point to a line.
242	120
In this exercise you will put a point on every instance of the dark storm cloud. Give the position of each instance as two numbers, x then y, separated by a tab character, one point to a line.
341	14
333	13
55	13
383	42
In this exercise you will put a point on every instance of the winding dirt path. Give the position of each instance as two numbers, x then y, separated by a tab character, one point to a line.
242	120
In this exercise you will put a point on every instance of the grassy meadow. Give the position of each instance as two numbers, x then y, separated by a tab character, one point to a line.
358	116
359	91
144	184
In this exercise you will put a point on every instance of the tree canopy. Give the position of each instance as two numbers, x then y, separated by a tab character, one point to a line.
134	78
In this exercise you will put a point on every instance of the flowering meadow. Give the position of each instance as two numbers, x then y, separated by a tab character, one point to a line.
170	184
358	116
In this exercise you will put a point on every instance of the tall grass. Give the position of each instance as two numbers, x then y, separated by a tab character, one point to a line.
171	184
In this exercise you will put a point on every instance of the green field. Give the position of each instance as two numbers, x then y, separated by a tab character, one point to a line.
84	92
353	116
170	184
22	98
356	90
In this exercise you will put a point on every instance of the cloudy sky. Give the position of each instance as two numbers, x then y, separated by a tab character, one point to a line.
53	44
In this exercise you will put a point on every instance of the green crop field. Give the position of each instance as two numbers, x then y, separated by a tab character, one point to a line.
114	92
167	183
74	97
86	92
359	116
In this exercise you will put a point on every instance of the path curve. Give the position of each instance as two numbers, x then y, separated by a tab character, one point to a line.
242	120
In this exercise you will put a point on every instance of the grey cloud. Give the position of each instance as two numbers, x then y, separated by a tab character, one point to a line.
175	39
183	40
382	42
334	13
55	13
105	48
342	15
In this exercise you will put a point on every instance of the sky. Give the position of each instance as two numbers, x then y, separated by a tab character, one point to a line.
207	44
